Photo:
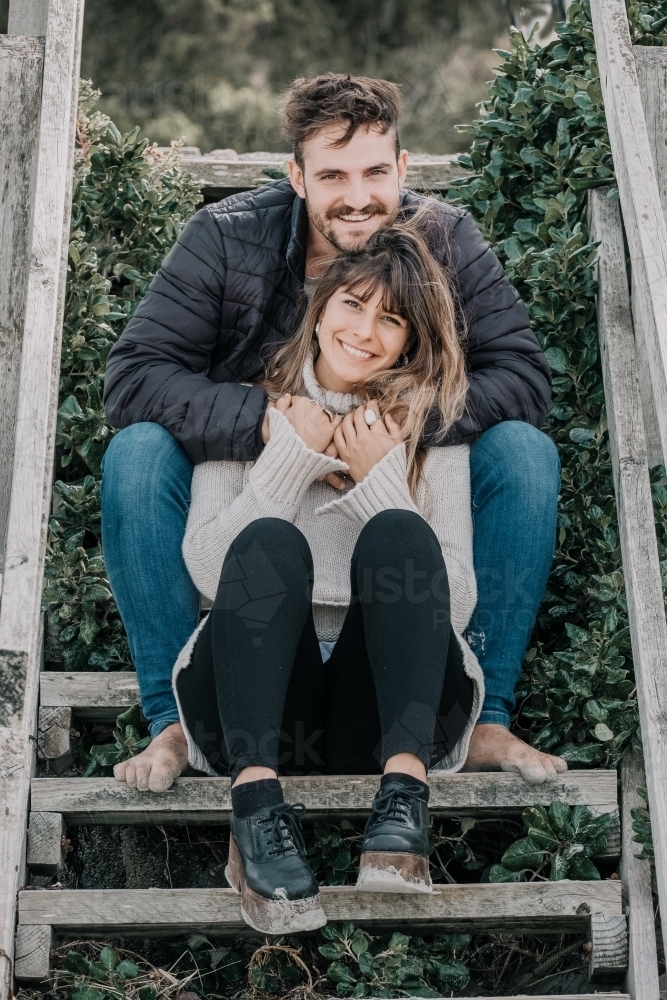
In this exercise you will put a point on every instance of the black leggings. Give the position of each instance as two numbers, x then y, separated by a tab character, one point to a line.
257	691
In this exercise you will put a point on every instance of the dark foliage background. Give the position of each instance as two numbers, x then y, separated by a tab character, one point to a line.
211	70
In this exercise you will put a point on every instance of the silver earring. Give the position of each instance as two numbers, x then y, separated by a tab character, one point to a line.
317	328
405	360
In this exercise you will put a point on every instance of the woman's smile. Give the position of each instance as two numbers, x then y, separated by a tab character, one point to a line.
355	352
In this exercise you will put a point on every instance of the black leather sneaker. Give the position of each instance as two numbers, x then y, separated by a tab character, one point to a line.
395	848
267	866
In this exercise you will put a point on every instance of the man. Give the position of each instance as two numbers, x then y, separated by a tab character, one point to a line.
178	382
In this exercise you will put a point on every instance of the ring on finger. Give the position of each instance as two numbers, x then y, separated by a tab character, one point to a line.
370	416
328	413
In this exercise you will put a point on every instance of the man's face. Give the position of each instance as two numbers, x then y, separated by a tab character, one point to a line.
350	191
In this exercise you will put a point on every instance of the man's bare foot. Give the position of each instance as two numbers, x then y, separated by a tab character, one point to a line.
155	768
494	748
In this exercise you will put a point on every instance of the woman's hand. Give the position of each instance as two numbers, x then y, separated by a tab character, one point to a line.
362	446
310	421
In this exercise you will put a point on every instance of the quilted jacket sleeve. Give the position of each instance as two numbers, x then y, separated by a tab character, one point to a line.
157	370
507	370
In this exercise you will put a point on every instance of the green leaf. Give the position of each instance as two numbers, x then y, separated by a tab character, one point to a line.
77	963
342	861
339	973
524	853
109	958
584	869
498	873
332	950
366	964
557	359
453	975
196	941
560	820
559	868
359	942
127	969
580	753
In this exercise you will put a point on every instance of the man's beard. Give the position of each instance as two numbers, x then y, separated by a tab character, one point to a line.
323	223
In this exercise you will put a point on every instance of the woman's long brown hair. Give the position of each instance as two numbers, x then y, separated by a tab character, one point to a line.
414	286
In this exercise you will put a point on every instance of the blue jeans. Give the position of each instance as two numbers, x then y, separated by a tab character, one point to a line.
145	499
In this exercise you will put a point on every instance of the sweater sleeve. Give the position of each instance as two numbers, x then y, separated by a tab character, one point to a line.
225	500
384	488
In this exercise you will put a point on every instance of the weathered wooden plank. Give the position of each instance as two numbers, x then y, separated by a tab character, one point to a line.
53	726
45	852
89	695
32	948
225	174
33	452
639	549
651	62
546	905
642	983
35	424
208	800
638	188
21	61
28	17
608	936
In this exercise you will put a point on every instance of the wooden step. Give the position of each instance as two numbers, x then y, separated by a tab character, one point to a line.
224	174
520	907
89	695
207	800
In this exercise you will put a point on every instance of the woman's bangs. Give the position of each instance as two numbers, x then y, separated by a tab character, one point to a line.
364	287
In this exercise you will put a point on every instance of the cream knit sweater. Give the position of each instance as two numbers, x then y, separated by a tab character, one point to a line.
227	496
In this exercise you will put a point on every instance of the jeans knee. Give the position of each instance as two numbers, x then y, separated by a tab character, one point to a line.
142	461
520	459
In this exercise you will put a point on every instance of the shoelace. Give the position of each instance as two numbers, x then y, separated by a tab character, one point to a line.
285	828
393	804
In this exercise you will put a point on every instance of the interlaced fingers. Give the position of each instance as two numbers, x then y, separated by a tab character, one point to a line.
392	804
285	828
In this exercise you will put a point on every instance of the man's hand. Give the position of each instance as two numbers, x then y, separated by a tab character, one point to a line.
362	446
333	478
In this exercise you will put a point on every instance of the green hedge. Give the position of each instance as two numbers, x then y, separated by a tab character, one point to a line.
538	148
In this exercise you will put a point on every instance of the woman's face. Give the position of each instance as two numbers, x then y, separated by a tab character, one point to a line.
357	338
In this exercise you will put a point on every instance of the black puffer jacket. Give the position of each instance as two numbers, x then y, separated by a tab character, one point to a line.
233	284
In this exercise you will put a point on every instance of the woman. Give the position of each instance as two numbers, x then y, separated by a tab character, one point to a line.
334	644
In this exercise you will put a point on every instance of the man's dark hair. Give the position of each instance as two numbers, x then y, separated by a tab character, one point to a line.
310	105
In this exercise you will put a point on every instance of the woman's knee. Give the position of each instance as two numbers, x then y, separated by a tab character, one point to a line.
272	535
397	531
